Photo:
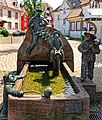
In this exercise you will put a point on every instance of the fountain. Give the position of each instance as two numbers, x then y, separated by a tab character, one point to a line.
71	104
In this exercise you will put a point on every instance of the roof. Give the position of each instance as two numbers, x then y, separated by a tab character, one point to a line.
3	3
46	5
73	3
9	3
73	15
85	2
56	10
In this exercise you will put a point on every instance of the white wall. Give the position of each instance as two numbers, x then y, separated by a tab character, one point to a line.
75	34
58	24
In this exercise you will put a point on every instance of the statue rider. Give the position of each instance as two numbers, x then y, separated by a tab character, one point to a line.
89	48
56	46
34	25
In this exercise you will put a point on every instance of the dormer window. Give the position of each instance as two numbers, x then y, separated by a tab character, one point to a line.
15	4
64	11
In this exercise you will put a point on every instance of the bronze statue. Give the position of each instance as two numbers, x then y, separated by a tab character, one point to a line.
9	82
56	46
56	53
89	48
36	24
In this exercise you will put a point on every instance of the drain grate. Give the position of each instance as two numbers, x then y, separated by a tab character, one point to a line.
95	116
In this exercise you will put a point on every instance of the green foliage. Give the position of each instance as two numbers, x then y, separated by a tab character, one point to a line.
82	38
39	81
5	33
96	103
31	5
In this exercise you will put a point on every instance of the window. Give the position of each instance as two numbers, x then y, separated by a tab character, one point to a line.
64	21
9	14
72	26
15	4
58	17
25	24
96	19
25	18
1	12
16	15
85	25
9	25
78	25
95	4
64	11
16	26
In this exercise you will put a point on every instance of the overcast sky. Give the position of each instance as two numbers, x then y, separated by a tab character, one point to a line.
53	3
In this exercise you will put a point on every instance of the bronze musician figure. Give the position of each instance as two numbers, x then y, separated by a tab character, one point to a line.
89	48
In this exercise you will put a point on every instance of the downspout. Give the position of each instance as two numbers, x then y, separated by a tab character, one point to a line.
81	26
69	28
81	22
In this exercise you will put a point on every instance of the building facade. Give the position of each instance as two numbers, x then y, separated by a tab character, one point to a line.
80	14
60	15
10	15
48	15
24	20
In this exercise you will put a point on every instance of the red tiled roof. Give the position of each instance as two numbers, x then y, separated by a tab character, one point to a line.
75	15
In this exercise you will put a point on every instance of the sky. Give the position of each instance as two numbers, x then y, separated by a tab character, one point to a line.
52	3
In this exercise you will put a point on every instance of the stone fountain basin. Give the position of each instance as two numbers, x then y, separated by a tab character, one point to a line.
58	107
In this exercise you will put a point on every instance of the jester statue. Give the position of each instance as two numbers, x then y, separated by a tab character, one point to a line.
89	48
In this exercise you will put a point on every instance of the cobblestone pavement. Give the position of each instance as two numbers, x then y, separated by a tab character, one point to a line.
8	60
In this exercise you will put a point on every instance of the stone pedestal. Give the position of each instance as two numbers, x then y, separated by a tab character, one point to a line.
90	87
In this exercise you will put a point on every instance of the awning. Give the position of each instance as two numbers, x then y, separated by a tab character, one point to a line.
73	15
